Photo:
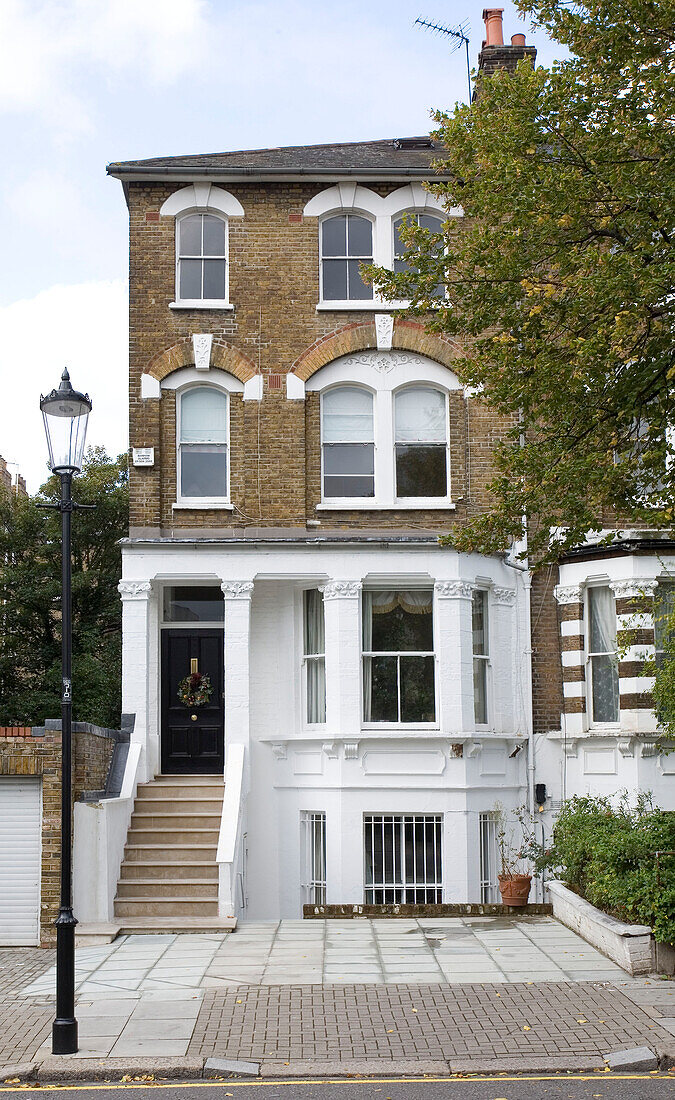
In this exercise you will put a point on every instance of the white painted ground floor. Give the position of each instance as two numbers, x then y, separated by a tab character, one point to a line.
369	700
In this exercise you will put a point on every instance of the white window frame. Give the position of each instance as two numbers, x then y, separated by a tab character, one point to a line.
389	725
487	658
421	502
203	303
313	884
305	659
433	883
588	654
487	853
348	198
202	198
349	502
201	502
344	303
432	213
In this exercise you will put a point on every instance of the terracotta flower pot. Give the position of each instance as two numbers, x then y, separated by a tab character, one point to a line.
515	889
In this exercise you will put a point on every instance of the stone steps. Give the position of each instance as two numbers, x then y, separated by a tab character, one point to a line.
169	875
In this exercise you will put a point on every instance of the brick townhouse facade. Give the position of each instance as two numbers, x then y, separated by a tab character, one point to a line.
297	447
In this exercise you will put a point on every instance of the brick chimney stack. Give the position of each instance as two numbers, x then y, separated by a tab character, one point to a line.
494	53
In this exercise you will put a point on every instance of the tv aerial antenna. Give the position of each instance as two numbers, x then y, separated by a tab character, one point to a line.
459	36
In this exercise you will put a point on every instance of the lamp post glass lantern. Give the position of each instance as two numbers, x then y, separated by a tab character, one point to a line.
65	413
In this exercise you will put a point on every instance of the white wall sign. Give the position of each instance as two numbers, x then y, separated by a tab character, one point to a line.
143	456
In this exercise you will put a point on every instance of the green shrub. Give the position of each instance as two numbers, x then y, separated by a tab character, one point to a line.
606	849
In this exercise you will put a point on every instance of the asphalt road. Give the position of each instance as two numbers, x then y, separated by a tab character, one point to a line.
568	1087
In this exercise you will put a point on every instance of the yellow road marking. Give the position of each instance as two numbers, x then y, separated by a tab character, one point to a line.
233	1083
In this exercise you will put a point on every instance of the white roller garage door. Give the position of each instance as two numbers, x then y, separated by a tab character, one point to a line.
20	845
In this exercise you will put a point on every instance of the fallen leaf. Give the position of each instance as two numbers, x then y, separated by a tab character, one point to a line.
413	1010
582	1020
11	1080
526	1028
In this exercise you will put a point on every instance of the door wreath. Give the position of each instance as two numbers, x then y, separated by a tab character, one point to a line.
195	690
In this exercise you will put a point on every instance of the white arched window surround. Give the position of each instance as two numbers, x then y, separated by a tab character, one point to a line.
187	381
352	198
202	198
385	374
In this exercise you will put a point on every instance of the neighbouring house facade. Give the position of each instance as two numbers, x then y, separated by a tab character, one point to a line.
296	450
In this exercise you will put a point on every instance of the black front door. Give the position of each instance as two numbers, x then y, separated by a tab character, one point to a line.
192	737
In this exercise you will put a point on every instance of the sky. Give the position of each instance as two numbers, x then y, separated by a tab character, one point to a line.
86	82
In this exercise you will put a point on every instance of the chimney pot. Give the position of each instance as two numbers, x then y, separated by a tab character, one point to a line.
517	39
493	26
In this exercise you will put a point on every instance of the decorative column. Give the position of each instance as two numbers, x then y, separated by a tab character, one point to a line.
343	658
455	655
505	660
237	597
572	654
137	640
635	639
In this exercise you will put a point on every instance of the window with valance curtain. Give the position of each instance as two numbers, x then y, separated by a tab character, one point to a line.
398	656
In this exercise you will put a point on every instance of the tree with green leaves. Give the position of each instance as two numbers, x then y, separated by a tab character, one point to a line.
560	273
30	598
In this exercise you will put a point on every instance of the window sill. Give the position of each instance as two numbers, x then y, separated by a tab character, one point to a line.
400	727
201	303
202	506
358	504
360	303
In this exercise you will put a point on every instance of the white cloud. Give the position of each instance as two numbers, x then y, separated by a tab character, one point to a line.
83	327
49	47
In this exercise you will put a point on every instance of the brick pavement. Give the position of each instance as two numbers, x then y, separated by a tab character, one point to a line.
21	965
23	1028
425	1022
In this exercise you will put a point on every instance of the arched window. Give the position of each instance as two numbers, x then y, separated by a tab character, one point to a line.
202	258
203	443
421	443
348	443
424	221
346	242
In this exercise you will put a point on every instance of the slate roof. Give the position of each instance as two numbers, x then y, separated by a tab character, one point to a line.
411	156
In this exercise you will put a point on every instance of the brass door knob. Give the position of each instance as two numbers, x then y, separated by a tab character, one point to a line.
194	717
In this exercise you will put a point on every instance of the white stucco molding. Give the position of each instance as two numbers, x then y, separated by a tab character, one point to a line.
351	750
201	346
134	590
186	376
341	590
237	590
650	748
568	593
504	595
202	196
384	331
150	387
634	588
344	196
331	749
474	749
454	590
253	388
295	387
626	747
279	749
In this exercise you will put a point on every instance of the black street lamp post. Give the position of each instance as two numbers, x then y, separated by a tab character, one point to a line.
65	413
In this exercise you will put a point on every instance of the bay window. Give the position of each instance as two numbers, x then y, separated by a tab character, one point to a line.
481	655
314	656
602	662
398	657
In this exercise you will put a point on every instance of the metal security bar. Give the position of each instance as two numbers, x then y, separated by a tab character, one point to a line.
313	826
403	859
488	857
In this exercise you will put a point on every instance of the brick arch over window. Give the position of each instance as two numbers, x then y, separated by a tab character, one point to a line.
408	335
223	357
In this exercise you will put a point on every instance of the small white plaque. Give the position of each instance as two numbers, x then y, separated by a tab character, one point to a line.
143	456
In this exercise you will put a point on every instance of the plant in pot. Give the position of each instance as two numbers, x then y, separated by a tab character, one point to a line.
514	883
